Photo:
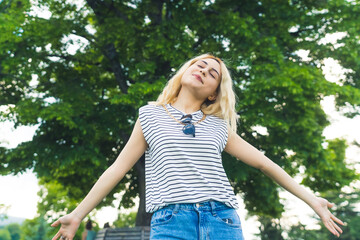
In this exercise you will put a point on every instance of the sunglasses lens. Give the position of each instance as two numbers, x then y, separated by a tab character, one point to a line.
189	129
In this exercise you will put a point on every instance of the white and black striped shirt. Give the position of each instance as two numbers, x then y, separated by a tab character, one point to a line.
180	168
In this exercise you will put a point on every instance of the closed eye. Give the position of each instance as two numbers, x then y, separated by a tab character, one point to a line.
210	73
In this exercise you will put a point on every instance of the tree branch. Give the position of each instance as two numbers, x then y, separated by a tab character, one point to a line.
99	6
156	14
112	55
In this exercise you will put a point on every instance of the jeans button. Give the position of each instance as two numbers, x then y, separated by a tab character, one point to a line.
198	205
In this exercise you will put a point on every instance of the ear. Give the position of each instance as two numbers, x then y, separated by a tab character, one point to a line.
212	97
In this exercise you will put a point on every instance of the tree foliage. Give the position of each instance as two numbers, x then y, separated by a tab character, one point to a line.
125	220
4	234
85	101
14	230
270	229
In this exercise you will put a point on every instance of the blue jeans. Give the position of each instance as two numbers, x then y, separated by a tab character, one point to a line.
211	220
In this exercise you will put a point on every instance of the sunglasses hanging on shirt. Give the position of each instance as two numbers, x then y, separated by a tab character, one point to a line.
189	127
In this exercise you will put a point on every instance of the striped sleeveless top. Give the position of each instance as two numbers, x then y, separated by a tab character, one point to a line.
180	168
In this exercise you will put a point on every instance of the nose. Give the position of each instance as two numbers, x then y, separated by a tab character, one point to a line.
202	71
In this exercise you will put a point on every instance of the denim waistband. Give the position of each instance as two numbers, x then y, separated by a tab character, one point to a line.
211	205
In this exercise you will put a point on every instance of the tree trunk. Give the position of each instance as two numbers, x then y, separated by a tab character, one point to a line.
142	218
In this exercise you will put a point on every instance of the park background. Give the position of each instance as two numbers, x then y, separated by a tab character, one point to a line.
73	75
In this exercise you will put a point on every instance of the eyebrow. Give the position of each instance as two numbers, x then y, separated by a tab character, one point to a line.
212	68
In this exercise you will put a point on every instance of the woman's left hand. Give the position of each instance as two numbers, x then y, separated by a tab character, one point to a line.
321	208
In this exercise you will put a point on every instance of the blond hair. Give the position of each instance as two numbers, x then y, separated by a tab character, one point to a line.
224	104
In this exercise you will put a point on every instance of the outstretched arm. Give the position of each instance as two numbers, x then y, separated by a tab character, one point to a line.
130	154
245	152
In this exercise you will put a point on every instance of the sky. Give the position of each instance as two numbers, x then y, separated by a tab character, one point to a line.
20	192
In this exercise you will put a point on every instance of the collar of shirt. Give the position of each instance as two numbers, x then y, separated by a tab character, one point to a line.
196	116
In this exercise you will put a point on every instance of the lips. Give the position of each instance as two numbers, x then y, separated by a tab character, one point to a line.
198	78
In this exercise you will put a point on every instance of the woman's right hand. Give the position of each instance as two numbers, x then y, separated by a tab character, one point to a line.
321	207
69	225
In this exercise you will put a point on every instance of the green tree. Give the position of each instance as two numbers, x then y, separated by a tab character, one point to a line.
37	229
299	232
14	230
4	234
49	194
29	228
85	101
270	229
125	220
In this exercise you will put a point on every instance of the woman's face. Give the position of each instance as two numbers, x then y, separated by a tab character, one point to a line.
202	78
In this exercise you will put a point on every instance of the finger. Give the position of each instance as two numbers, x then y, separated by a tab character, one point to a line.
57	235
331	228
337	220
55	223
330	205
337	227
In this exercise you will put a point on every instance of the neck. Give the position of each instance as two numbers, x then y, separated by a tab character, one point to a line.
187	103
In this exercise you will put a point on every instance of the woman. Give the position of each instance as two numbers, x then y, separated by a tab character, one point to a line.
183	134
88	234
